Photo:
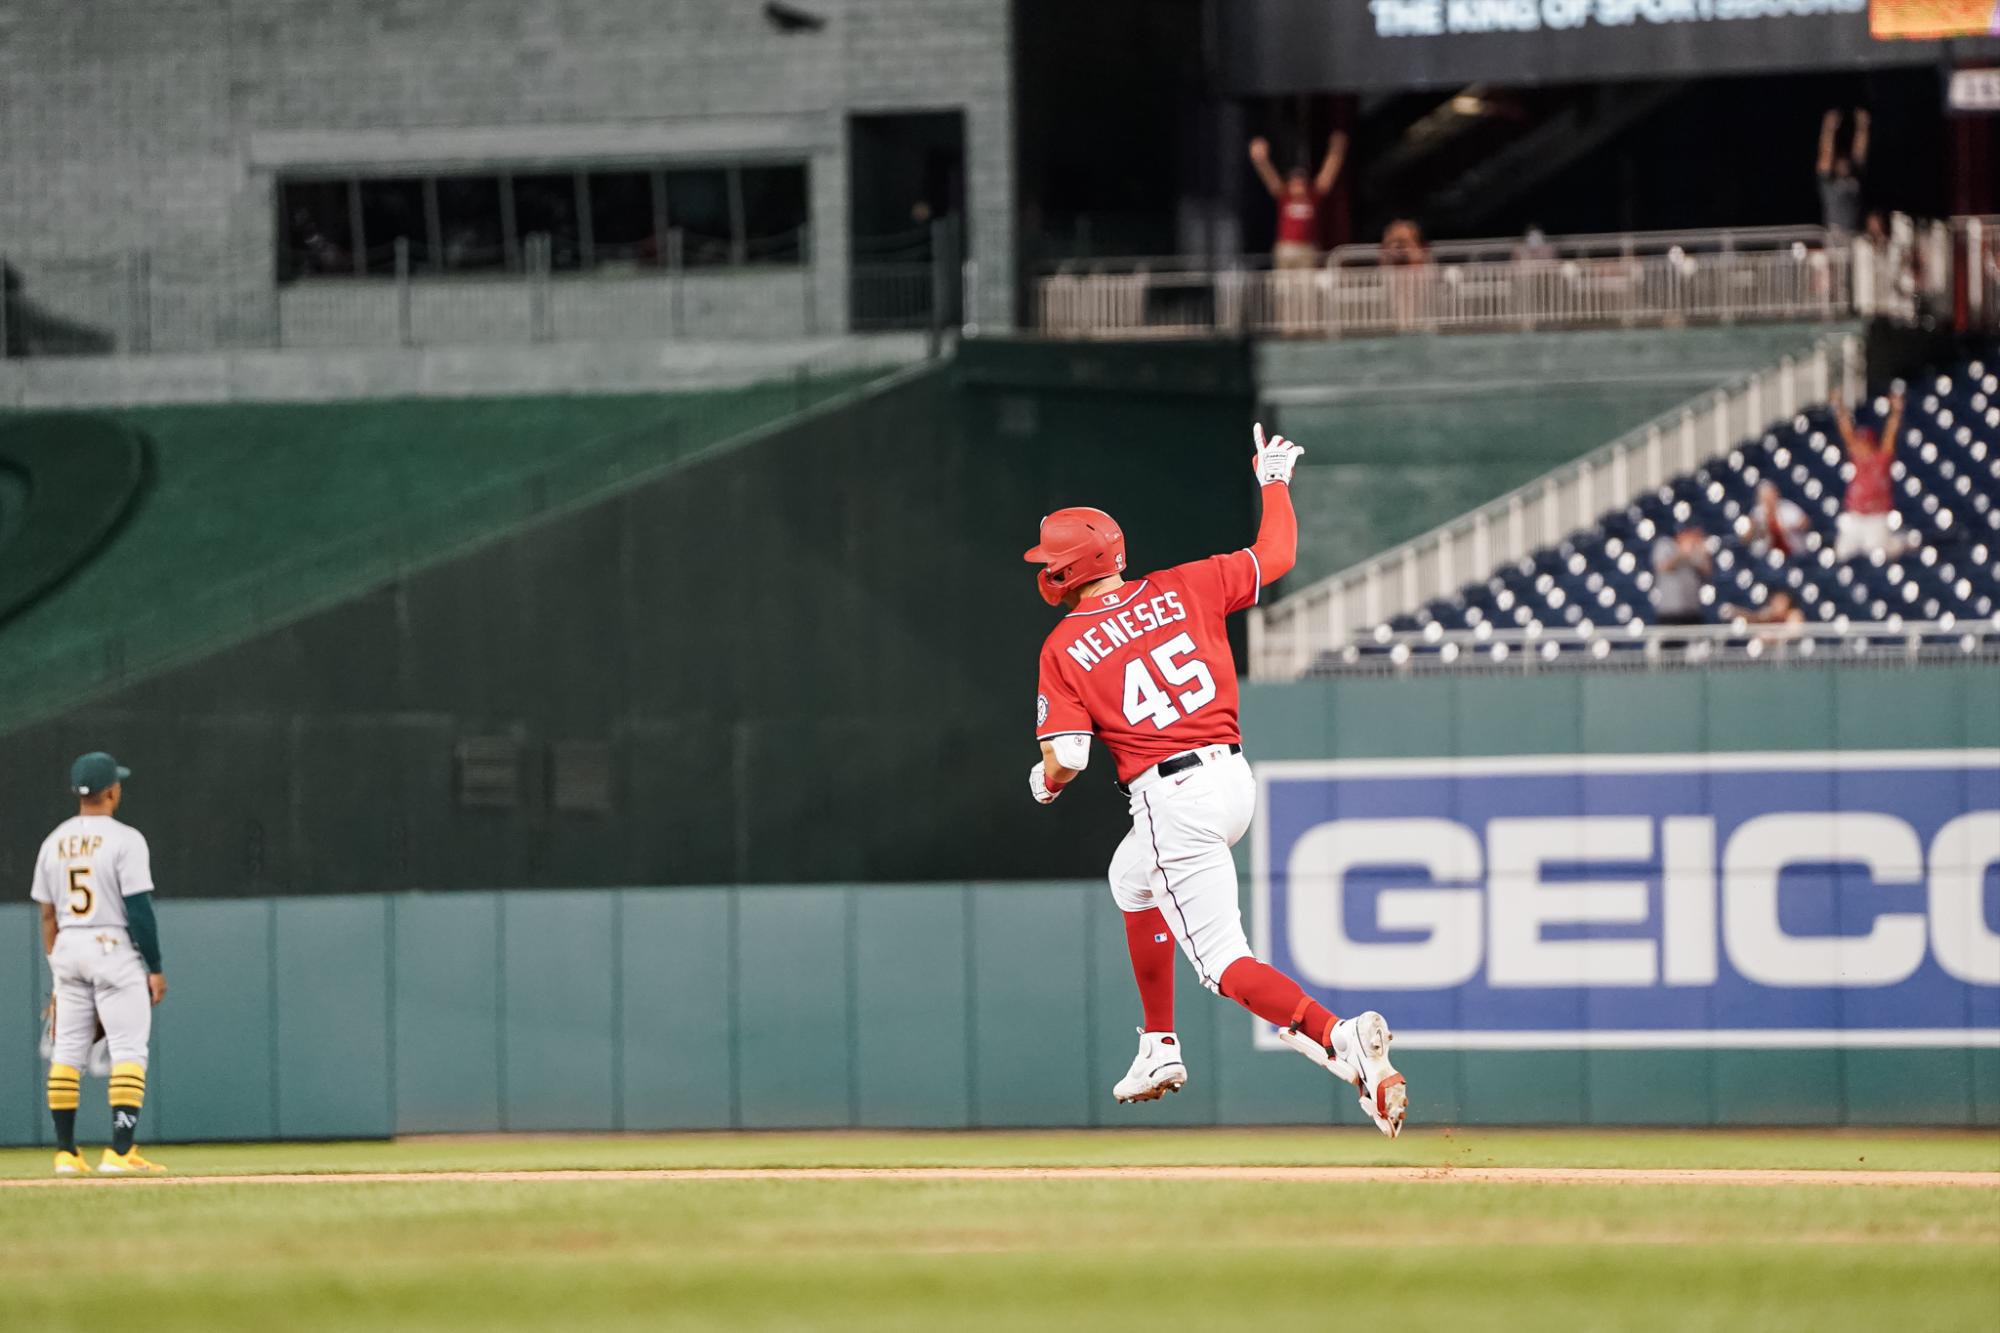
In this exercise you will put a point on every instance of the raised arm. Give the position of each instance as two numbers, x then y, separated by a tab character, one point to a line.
1859	152
1329	170
1277	545
1260	158
1843	421
1829	126
1892	425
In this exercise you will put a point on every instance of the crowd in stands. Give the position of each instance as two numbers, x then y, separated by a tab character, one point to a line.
1776	530
1845	213
1835	521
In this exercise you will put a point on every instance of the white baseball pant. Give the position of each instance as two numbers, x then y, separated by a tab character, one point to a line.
1176	857
99	974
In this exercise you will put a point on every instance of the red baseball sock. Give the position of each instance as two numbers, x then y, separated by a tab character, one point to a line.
1276	998
1152	946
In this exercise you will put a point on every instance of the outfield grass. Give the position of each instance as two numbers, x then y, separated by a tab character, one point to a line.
890	1254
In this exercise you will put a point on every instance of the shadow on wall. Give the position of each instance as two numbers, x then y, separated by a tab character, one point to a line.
67	483
29	330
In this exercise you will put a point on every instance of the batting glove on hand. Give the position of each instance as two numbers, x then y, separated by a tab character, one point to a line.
1038	785
1276	457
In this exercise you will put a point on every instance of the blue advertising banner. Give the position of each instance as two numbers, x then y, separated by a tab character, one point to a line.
1703	900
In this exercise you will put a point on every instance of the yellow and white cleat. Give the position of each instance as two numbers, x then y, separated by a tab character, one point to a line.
129	1164
71	1164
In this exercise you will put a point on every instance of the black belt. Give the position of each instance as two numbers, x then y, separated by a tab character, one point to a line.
1180	763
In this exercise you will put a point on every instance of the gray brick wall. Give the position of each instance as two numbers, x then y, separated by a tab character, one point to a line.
160	124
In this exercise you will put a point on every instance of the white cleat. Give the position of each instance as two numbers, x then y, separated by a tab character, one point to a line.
1362	1043
1318	1054
1156	1071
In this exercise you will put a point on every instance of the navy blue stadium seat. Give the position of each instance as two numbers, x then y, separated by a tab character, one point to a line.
1946	481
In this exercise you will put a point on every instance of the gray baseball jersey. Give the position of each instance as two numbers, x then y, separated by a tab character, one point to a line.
88	867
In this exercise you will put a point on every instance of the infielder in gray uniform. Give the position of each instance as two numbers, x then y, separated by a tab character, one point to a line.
94	880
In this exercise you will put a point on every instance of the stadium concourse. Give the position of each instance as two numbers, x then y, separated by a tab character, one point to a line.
1590	595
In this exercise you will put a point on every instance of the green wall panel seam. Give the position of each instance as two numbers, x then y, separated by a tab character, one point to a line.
500	1009
850	908
395	1117
617	1011
275	998
972	1108
735	1016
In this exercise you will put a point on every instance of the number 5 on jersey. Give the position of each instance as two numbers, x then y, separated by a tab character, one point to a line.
1146	698
81	900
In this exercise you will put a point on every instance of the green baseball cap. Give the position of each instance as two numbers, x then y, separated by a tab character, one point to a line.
94	772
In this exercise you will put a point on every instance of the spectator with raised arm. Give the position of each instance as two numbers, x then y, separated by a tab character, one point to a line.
1681	566
1298	196
1870	499
1840	176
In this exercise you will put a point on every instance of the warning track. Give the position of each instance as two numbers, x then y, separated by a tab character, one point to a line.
1298	1175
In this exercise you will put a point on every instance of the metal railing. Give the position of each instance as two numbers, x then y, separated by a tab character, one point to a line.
1640	646
1915	272
1781	273
1976	244
1286	636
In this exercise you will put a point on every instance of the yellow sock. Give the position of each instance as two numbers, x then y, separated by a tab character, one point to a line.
128	1085
65	1087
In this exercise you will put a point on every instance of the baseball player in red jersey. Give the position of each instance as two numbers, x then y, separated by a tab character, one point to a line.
1144	665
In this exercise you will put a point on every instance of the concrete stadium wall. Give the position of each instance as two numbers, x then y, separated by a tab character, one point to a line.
951	1004
336	375
1403	434
161	125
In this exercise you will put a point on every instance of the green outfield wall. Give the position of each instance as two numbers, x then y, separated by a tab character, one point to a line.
804	654
947	1004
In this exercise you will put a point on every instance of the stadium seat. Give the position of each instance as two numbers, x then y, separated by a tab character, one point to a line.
1592	590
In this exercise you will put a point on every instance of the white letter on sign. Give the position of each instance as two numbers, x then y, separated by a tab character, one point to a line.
1966	947
1687	900
1758	853
1520	904
1316	904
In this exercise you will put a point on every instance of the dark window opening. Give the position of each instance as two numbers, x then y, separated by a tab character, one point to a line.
470	224
698	209
546	206
394	210
610	220
622	219
774	214
316	235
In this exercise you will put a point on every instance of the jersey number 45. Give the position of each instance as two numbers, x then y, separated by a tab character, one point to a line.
1146	697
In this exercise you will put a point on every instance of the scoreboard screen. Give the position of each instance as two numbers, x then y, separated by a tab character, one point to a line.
1275	47
1925	19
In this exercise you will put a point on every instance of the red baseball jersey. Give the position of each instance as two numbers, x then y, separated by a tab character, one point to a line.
1147	669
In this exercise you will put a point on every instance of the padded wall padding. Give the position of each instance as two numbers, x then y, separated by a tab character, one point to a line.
82	475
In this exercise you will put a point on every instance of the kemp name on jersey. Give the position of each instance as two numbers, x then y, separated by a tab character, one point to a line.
1147	669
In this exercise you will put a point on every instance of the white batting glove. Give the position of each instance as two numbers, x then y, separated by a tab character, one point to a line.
1276	457
1039	788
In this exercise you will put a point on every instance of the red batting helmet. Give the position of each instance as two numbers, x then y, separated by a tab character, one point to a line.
1077	547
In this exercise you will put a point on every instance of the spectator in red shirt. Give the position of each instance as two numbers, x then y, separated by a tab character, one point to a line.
1864	513
1298	197
1776	524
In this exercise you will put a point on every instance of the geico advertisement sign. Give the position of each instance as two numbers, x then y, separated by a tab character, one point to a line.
1724	899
